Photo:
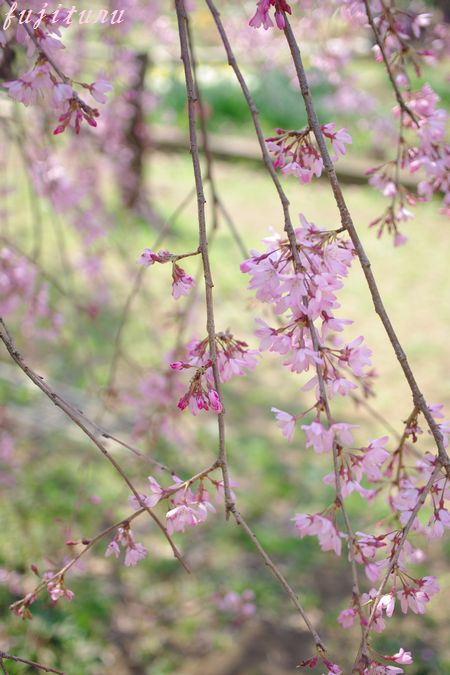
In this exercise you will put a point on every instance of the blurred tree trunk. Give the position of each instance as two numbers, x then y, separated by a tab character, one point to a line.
444	6
135	192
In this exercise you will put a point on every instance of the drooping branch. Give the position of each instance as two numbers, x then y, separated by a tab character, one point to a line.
289	229
81	421
211	331
347	222
90	543
398	95
393	562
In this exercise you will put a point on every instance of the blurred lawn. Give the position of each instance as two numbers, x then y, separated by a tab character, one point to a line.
154	619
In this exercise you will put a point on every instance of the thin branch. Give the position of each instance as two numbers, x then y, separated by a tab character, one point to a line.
61	573
394	560
216	202
399	451
203	240
209	174
89	543
33	664
398	95
78	418
347	223
117	348
203	237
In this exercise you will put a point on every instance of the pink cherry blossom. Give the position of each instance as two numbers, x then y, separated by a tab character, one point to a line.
149	257
262	18
133	554
338	139
286	423
347	617
149	500
31	86
182	283
401	656
387	602
183	516
98	90
318	437
124	539
323	528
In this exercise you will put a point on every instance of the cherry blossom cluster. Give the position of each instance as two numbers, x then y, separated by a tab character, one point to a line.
238	606
233	358
124	539
21	291
188	508
379	552
182	283
399	29
304	291
421	144
57	589
413	594
428	152
262	18
371	464
55	586
40	34
295	152
307	297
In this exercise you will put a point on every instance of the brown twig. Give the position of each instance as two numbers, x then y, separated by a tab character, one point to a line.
399	451
209	173
33	664
209	177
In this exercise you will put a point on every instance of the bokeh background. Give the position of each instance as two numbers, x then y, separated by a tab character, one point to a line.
55	485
